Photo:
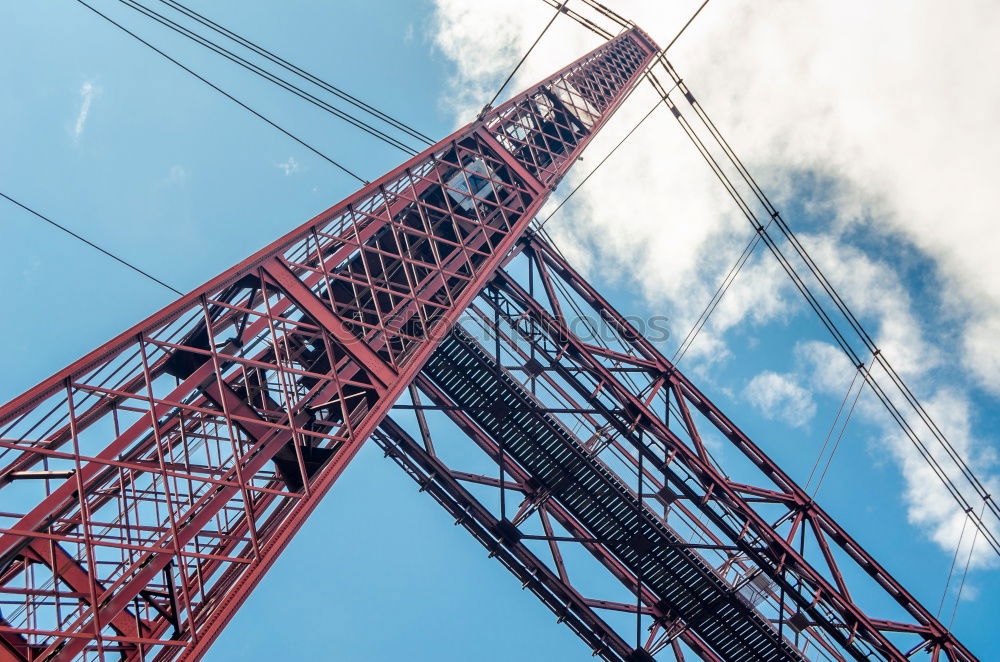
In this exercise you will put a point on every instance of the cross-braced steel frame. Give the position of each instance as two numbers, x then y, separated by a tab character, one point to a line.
605	455
149	486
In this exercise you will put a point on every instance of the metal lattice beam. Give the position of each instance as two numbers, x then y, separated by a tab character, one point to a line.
149	486
573	404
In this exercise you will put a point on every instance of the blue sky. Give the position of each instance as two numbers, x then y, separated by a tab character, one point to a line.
108	138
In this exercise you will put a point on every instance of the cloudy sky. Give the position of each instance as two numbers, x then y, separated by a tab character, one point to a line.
869	123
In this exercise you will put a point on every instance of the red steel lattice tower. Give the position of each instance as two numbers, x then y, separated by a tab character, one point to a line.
149	486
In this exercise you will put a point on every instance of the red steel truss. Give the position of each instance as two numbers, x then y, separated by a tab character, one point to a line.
149	486
604	449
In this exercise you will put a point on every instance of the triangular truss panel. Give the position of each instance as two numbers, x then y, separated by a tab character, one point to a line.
599	445
148	487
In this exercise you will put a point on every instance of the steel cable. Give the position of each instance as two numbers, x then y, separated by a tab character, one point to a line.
91	244
523	58
819	309
965	573
951	568
224	93
829	434
541	225
840	436
268	76
299	71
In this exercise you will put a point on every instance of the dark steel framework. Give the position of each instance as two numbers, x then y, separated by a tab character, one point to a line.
605	453
148	487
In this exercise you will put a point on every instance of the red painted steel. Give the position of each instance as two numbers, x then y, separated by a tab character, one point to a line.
202	438
591	387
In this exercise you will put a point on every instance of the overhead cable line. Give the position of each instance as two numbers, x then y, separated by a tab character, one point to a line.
716	299
683	28
747	252
834	330
951	568
829	434
840	435
590	174
91	244
108	253
626	24
581	19
622	22
821	312
269	76
965	574
523	58
539	226
590	25
333	89
226	94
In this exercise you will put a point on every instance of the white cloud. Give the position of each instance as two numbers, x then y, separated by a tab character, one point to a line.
929	504
828	367
875	292
289	167
87	92
888	143
781	397
32	270
970	593
979	350
851	95
176	175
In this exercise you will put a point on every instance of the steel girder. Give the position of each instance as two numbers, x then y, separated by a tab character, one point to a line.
149	486
569	398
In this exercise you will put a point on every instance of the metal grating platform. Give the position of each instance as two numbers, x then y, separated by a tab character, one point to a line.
687	586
